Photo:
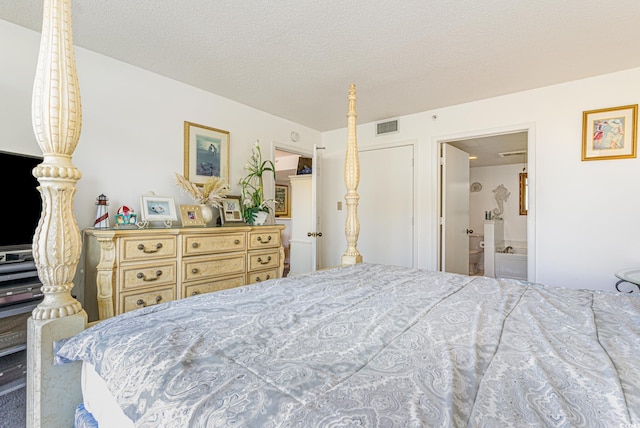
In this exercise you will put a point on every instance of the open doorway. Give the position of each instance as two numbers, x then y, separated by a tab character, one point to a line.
495	201
287	161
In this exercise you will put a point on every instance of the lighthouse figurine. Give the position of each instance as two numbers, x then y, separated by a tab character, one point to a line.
102	214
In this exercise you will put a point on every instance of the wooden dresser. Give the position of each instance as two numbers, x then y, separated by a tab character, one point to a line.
127	269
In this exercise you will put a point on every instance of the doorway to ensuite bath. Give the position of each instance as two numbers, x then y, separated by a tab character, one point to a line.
480	178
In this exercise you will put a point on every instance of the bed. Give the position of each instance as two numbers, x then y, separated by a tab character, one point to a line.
369	345
356	345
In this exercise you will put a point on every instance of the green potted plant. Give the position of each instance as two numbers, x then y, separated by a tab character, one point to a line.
255	207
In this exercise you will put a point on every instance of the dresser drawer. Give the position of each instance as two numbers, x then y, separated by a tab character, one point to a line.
195	268
194	245
265	238
137	276
262	275
137	249
214	285
263	260
129	302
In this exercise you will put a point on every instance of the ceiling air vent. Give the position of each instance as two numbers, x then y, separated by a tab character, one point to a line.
387	127
515	153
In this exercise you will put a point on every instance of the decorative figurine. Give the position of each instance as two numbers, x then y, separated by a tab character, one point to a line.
102	214
126	216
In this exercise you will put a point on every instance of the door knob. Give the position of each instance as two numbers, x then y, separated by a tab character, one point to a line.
314	234
469	231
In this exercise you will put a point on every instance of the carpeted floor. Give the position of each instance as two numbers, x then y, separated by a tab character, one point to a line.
13	409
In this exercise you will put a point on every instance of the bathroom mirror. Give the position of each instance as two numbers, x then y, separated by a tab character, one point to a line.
523	193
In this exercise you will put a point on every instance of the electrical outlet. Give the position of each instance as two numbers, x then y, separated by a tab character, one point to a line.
339	205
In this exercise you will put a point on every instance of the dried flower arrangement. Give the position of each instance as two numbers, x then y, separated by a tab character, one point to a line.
212	192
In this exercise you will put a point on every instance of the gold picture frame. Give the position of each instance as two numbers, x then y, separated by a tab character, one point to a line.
524	199
191	215
282	201
610	133
206	153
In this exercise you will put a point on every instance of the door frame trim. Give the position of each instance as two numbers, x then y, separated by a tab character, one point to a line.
437	141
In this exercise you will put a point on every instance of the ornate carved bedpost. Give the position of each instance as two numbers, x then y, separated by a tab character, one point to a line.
351	179
52	392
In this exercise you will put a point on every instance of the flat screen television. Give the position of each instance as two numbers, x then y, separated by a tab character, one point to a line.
21	202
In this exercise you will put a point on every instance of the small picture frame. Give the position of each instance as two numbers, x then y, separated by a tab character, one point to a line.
191	215
157	208
609	133
206	153
231	210
282	201
305	166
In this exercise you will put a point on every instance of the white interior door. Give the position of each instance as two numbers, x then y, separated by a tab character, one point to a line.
316	201
455	210
301	243
385	208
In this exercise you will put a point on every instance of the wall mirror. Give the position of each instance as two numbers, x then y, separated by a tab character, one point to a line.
523	193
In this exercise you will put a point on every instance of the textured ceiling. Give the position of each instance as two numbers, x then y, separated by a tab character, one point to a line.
295	58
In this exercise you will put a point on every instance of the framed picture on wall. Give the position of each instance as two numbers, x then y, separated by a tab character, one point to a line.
206	153
609	133
282	200
231	210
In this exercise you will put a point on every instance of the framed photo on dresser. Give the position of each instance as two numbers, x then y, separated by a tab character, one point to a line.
191	215
231	210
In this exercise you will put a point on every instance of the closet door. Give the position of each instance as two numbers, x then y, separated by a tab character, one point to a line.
386	205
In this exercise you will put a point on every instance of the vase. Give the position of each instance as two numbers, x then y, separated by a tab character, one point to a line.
261	218
207	213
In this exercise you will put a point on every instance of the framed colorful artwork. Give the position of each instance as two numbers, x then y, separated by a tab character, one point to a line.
609	133
206	153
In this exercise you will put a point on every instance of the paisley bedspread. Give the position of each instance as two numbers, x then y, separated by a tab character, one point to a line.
374	346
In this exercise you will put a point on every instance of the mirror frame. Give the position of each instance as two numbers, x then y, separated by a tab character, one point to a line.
523	193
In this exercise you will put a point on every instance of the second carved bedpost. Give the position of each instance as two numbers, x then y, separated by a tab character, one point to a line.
351	179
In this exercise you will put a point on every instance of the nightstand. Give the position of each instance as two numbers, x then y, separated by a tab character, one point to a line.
631	276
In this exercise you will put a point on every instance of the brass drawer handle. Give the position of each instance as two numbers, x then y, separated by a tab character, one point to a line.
195	293
142	276
152	250
259	280
195	270
264	242
142	303
237	241
264	263
195	245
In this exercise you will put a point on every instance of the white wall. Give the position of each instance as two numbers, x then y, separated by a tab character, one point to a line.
584	214
490	177
132	137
